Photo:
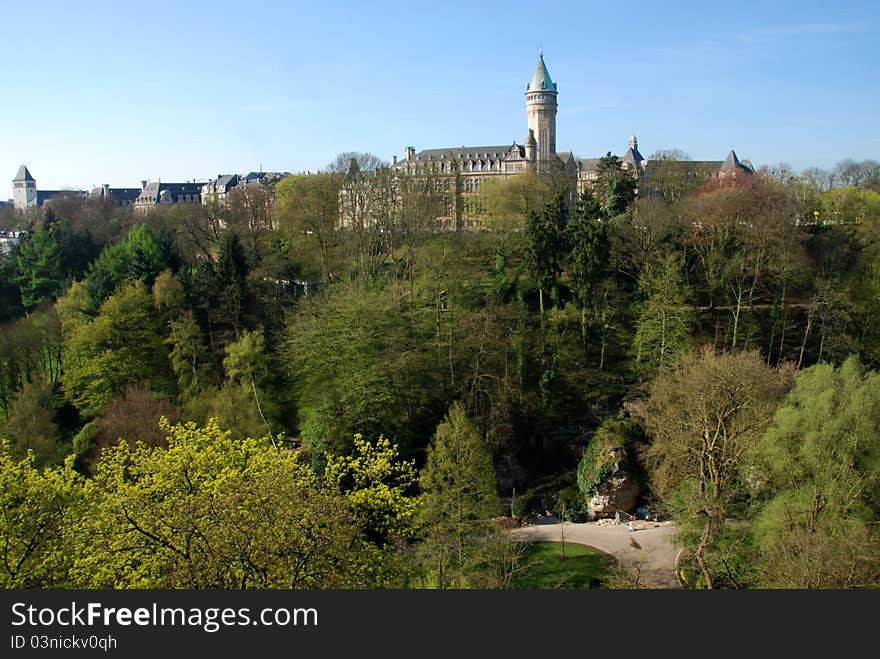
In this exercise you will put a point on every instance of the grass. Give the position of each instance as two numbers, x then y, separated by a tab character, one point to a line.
583	567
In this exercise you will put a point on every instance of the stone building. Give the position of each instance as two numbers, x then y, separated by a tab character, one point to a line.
466	168
155	193
25	194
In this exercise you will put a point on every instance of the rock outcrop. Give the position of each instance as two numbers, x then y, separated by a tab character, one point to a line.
619	491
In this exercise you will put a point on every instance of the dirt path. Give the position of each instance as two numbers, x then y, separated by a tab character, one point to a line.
655	554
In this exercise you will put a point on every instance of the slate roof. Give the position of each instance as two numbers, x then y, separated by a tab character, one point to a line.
587	164
467	153
732	163
541	81
23	175
152	192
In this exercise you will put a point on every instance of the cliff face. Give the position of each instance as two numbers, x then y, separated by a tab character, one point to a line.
619	491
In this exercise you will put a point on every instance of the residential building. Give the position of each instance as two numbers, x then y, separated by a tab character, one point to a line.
157	193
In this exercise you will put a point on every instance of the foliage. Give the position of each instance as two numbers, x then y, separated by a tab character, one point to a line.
40	274
458	483
37	510
30	425
378	484
120	347
211	511
819	464
608	447
663	326
704	417
137	258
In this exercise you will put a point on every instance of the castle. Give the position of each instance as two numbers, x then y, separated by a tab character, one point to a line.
474	165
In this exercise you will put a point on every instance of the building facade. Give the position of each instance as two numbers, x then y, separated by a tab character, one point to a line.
467	168
156	193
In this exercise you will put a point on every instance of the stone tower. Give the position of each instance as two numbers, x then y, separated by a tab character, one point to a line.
24	190
541	111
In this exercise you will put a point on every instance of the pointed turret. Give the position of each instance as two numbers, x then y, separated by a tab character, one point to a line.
541	111
732	164
632	159
23	175
541	81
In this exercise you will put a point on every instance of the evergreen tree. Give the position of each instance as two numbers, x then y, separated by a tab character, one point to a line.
545	245
40	268
460	495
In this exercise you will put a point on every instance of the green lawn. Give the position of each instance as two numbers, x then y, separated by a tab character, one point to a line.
583	567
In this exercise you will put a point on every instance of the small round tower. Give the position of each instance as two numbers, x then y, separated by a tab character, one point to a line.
541	111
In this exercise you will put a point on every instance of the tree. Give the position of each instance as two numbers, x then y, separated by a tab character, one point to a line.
349	357
38	507
704	416
818	466
232	297
213	511
40	269
614	186
308	212
188	355
589	253
134	414
30	425
139	257
354	161
663	326
246	363
120	347
506	202
670	174
380	490
460	495
545	245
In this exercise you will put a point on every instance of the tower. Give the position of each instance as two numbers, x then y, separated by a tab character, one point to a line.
541	112
24	190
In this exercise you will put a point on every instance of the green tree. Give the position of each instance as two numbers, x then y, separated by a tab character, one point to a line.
380	490
308	211
38	508
30	425
40	269
545	245
818	466
614	186
139	257
588	255
188	355
663	325
246	364
213	511
506	202
704	416
120	347
459	496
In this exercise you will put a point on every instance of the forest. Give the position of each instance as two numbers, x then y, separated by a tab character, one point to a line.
255	394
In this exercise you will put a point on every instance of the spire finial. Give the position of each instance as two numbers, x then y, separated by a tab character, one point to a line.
541	51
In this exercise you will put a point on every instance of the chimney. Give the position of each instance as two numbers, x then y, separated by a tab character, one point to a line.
393	160
143	184
410	153
105	190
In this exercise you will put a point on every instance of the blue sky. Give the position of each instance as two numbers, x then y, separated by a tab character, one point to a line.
116	92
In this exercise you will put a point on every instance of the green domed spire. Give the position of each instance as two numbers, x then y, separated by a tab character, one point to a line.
541	81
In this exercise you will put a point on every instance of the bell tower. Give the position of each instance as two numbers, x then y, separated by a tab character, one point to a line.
24	190
541	111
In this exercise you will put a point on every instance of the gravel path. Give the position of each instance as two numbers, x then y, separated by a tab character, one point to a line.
655	553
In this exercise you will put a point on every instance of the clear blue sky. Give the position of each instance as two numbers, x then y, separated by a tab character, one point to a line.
115	92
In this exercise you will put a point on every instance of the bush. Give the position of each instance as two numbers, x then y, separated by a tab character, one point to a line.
573	503
608	447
